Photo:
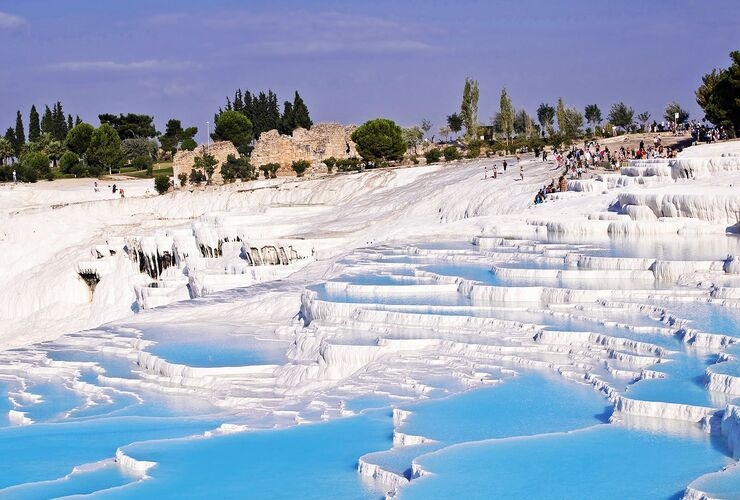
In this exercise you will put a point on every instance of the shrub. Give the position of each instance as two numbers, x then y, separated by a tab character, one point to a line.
196	177
236	168
183	178
415	160
474	149
300	167
451	153
433	155
348	164
330	163
162	183
270	170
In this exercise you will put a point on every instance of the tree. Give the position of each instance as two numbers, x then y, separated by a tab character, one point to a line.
188	144
593	114
379	140
455	122
287	121
235	127
59	122
560	113
300	113
20	135
445	132
644	117
523	123
469	108
78	138
546	115
206	163
426	126
718	95
6	150
621	116
54	150
37	162
672	109
506	115
412	136
130	125
68	162
139	147
170	140
10	137
104	151
572	121
34	126
47	122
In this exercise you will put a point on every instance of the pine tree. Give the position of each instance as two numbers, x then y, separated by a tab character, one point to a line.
70	123
20	135
300	113
273	111
34	127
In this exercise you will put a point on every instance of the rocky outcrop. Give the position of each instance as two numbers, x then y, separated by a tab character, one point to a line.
320	142
183	161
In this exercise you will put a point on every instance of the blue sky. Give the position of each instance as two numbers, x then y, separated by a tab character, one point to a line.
351	60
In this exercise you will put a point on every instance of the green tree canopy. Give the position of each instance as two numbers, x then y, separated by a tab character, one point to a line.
469	108
670	113
130	125
20	134
620	115
235	127
206	163
6	150
454	122
506	115
78	138
593	114
378	140
300	113
34	125
139	147
546	115
718	95
104	152
36	161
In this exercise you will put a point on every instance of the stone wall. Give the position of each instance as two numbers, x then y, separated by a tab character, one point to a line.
322	141
183	160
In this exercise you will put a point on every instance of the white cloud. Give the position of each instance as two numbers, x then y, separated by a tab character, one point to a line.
113	66
10	21
337	47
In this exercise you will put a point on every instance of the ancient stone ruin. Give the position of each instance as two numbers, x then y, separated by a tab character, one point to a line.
322	141
183	161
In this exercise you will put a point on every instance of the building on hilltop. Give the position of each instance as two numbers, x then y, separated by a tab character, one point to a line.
321	141
184	160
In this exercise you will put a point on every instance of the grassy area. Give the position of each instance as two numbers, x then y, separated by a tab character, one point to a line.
141	174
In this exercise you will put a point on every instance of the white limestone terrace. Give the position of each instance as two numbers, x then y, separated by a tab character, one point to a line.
254	254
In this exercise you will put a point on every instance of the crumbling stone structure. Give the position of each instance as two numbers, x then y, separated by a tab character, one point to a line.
184	160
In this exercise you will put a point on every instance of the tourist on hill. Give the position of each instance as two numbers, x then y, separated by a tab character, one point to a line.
15	177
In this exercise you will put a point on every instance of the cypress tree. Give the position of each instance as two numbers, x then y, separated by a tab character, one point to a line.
287	122
77	120
20	135
10	136
273	111
70	123
34	126
47	122
60	124
300	113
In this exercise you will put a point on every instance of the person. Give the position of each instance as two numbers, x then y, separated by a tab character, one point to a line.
485	171
114	189
521	171
15	177
121	190
504	166
95	186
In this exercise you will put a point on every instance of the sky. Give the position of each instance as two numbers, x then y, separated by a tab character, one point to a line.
352	61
